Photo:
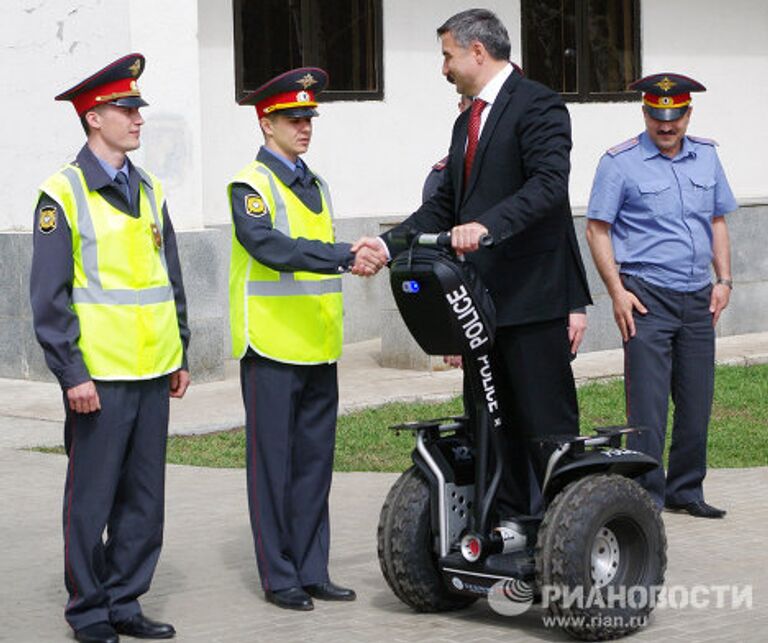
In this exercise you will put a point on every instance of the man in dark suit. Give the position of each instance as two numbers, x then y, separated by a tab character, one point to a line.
507	173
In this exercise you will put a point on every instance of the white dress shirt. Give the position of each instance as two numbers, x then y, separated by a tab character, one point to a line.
491	91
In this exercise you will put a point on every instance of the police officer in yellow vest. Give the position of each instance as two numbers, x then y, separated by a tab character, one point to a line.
286	322
110	314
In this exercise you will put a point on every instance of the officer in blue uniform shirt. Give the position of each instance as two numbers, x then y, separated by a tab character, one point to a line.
657	209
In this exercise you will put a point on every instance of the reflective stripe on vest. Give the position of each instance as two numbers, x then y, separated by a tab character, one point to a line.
94	293
121	290
288	286
290	317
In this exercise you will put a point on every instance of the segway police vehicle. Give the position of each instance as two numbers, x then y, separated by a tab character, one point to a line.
598	556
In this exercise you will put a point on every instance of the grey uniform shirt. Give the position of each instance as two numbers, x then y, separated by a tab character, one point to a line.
275	249
56	324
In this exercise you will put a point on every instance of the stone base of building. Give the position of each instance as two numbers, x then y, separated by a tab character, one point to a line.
370	310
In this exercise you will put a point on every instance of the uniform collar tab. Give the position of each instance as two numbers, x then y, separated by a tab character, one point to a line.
96	177
648	147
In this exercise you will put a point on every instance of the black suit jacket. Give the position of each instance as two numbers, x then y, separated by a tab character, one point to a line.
518	189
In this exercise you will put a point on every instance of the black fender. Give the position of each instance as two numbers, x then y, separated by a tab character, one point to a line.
617	460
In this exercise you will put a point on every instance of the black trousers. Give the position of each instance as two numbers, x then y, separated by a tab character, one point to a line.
532	366
290	428
672	352
115	480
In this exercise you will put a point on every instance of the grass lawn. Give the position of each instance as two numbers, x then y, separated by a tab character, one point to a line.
738	434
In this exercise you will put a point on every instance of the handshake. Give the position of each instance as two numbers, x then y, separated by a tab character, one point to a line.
370	256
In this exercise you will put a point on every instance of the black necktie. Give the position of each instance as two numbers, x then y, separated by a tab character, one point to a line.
122	182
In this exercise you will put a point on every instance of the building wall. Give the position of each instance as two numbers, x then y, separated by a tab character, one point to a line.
374	154
748	308
206	286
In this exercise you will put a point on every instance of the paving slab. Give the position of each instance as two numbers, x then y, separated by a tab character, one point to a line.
207	583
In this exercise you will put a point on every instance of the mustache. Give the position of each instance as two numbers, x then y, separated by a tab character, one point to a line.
449	77
666	131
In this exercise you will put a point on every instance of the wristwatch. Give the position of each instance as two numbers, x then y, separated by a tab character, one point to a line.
725	282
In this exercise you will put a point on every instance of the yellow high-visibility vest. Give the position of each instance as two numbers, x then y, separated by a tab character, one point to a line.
291	317
121	292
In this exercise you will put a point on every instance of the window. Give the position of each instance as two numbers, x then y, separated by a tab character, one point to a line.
588	50
343	37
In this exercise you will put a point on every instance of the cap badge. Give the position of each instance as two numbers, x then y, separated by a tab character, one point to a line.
665	84
307	80
302	97
665	100
47	221
135	68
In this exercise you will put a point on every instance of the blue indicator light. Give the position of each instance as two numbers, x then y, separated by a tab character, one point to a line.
411	287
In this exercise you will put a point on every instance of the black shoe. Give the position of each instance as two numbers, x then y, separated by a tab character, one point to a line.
292	598
97	633
698	509
330	592
141	627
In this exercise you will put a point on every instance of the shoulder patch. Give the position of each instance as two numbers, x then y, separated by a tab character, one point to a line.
47	218
702	140
440	165
623	147
255	206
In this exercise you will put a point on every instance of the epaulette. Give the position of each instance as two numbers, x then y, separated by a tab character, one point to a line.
440	165
702	140
623	147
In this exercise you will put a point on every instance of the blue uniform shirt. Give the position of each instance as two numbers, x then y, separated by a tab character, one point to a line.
661	209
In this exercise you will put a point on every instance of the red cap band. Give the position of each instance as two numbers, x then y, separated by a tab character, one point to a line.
104	94
286	100
667	102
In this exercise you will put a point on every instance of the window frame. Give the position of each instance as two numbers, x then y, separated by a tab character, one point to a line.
583	56
329	95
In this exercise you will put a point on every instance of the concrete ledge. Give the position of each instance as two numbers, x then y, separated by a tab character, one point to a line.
370	311
204	263
747	313
204	256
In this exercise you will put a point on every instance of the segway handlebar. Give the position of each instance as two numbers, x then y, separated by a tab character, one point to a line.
443	239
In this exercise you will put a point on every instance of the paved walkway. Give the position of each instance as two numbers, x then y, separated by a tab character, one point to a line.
207	584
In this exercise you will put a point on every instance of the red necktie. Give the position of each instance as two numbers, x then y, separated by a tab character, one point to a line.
473	133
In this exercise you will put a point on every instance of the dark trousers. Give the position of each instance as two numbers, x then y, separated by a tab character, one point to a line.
673	351
115	480
290	434
532	365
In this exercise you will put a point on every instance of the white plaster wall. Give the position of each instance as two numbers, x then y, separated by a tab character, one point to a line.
166	33
374	154
228	130
724	45
46	46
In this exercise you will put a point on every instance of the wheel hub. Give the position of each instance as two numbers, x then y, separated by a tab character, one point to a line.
605	557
